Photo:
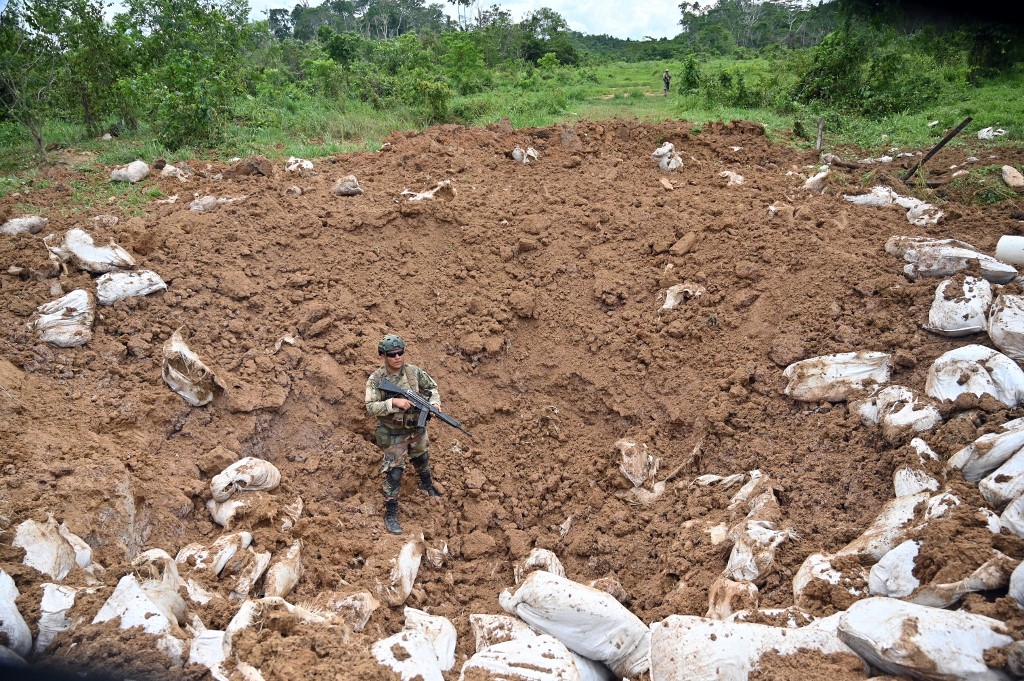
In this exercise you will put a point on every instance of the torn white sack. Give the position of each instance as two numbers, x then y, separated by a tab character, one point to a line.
186	374
66	322
78	247
832	378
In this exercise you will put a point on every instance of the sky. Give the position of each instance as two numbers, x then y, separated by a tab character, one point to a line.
636	20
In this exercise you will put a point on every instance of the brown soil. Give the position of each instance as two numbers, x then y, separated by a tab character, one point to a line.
532	297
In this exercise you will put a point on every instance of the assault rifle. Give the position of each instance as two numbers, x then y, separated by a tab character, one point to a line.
425	408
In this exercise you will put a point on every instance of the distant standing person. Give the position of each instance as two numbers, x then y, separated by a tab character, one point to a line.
667	79
397	433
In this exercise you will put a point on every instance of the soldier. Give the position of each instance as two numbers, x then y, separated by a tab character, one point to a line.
396	432
667	79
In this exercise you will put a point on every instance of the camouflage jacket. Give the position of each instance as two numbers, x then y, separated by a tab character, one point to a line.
413	379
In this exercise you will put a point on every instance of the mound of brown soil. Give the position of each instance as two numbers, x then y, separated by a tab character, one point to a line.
533	297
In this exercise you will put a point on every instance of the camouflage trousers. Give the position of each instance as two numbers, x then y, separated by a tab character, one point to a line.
400	445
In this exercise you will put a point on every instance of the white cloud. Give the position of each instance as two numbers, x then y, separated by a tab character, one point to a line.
654	18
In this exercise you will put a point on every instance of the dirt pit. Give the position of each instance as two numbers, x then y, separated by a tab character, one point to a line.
533	295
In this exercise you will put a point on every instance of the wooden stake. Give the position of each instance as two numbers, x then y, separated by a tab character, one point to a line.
951	135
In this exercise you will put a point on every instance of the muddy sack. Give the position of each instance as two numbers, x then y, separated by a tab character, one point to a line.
689	648
534	658
832	378
12	624
245	475
78	248
978	370
960	308
667	158
897	411
186	374
925	643
587	621
1006	325
132	172
410	655
988	452
115	286
30	224
67	321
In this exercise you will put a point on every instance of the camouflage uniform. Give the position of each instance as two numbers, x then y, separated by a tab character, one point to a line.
396	433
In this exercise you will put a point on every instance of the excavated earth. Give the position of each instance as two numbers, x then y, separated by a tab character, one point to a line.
533	296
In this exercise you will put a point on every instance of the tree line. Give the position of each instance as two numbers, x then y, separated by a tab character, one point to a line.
188	69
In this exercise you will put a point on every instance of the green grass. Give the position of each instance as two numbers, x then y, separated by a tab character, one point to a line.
296	123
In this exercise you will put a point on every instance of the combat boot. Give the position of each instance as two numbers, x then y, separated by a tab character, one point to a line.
391	516
426	484
422	464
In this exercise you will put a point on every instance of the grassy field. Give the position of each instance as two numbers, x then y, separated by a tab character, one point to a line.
309	126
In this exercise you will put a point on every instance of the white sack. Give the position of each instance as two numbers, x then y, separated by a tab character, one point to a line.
404	571
442	190
990	133
943	261
134	607
1005	483
907	481
415	662
83	552
216	556
538	658
133	172
207	649
284	572
347	186
223	513
753	553
588	621
79	248
833	378
57	600
987	453
926	643
893	575
355	609
960	310
993	574
489	630
115	286
29	224
46	549
539	559
901	245
816	183
637	464
298	165
1013	517
688	648
67	321
978	370
887	530
12	624
245	475
1006	325
1017	584
817	567
727	596
250	574
524	157
680	293
186	374
897	411
438	631
204	204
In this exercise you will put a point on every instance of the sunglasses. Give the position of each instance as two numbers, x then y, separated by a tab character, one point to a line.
394	353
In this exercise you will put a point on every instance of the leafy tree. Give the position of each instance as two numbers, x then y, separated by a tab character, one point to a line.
190	58
30	70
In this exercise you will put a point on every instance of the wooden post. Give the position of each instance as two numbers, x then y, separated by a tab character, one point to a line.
821	128
951	135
